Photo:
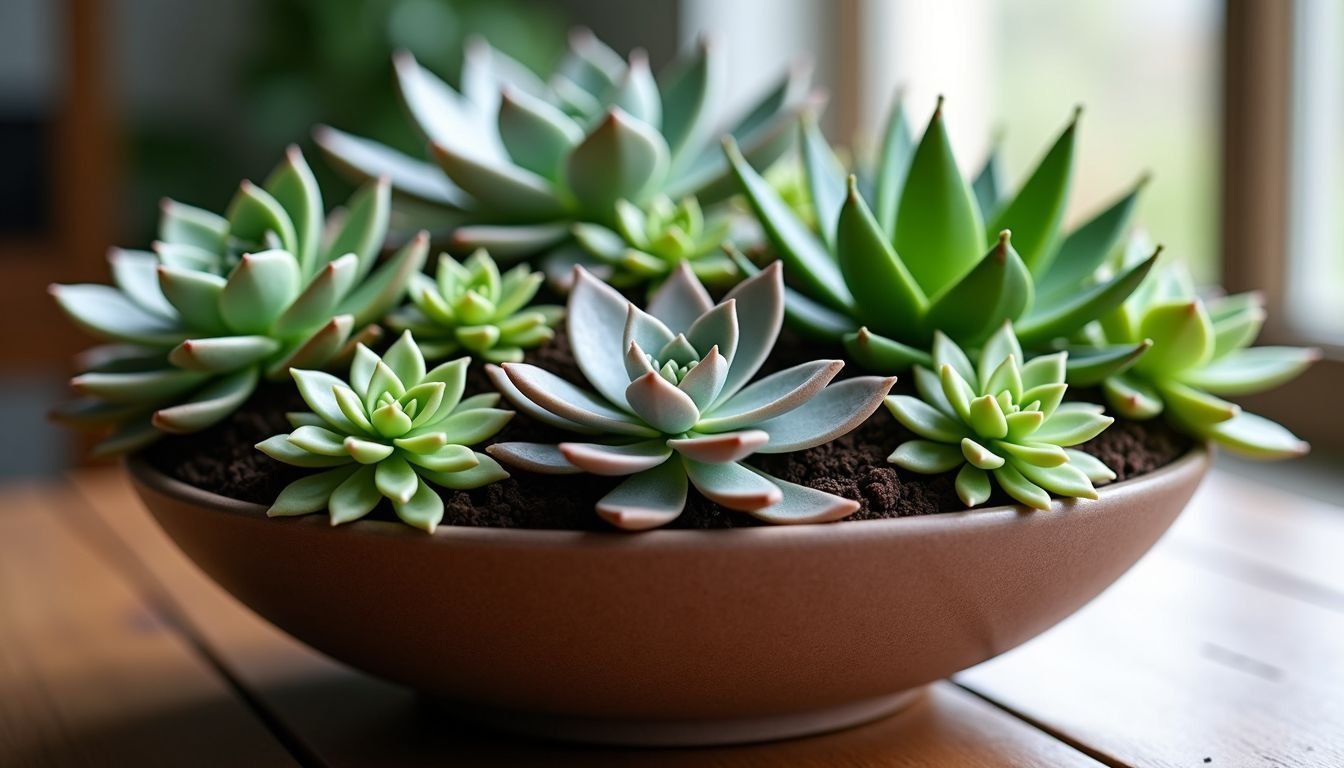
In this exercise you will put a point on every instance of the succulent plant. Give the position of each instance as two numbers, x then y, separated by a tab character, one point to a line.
647	244
904	251
673	402
224	301
471	307
1200	354
519	160
1000	418
388	432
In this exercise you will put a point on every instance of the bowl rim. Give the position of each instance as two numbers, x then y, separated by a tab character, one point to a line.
1194	461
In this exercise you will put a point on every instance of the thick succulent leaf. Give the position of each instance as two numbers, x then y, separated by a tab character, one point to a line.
567	401
893	163
1132	397
938	233
998	288
801	313
637	92
1246	371
319	349
487	71
258	291
1062	317
317	389
732	485
1063	480
956	391
513	192
1036	213
318	440
616	460
254	212
354	498
946	352
720	448
1002	345
1035	454
688	90
652	498
986	418
590	64
834	411
1086	248
1020	488
534	457
136	274
530	409
293	186
145	387
396	479
806	257
473	426
1091	466
485	471
925	420
681	300
772	396
317	303
1046	369
279	447
760	314
887	298
222	354
1089	366
801	505
930	388
1258	438
188	225
927	457
440	114
988	190
196	296
621	159
365	161
594	309
1195	406
601	242
208	405
104	311
1182	336
1071	428
1023	424
405	360
538	136
423	510
972	485
188	257
704	382
382	290
309	494
510	241
660	404
362	228
825	178
1235	330
881	354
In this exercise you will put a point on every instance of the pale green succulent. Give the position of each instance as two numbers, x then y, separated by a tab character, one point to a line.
1000	418
647	244
1200	354
388	432
224	301
470	307
675	402
519	160
903	250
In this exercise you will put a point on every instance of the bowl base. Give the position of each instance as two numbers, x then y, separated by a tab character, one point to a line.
686	733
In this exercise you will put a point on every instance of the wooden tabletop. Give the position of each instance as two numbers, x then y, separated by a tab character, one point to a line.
1223	647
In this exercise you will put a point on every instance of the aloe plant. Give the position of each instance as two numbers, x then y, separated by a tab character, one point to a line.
225	301
390	431
675	402
470	307
1002	419
1200	354
904	250
518	161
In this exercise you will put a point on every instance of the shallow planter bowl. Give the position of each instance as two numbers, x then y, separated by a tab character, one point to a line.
674	637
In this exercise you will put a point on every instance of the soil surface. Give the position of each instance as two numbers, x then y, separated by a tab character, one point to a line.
223	460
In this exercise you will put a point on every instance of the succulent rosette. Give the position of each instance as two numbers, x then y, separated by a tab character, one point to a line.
225	301
471	308
389	432
519	160
1000	419
903	250
1200	355
675	404
647	244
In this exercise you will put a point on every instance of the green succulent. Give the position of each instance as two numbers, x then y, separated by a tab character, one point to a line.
1000	418
224	301
471	307
388	432
903	251
647	244
675	405
518	161
1200	354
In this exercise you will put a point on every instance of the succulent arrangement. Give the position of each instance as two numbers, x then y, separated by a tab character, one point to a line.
519	159
225	301
675	402
614	179
387	432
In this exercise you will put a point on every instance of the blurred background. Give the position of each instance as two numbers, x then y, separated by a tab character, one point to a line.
1235	106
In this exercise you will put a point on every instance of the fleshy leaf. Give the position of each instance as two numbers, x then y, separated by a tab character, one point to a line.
652	498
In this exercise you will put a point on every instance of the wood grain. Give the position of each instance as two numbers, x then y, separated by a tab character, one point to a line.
89	672
335	716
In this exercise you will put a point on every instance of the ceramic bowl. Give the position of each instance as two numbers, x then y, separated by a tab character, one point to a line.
674	637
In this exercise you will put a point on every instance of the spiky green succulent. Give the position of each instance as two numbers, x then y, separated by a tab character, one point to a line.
903	251
1001	419
675	402
224	301
472	308
648	243
519	160
1200	354
389	432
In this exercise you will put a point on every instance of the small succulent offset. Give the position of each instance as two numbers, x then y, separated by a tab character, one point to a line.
226	300
470	307
647	244
1200	353
674	402
519	160
1003	419
903	251
388	432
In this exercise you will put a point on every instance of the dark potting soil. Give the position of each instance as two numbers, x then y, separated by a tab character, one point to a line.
223	460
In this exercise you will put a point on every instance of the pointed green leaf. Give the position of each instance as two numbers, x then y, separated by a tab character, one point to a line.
537	136
622	158
254	212
382	290
363	227
293	186
1182	338
104	311
1062	317
1036	213
825	179
1088	367
972	485
309	494
887	298
258	290
222	354
1257	437
688	90
892	166
188	225
1085	249
998	288
196	296
1246	371
1020	488
423	510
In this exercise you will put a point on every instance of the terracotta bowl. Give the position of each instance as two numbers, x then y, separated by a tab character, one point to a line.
674	637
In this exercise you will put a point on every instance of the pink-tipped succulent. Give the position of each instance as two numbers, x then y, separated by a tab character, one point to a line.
675	404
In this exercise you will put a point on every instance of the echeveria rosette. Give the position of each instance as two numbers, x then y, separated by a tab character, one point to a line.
1200	354
518	161
389	432
1002	419
224	301
675	403
647	244
470	307
903	250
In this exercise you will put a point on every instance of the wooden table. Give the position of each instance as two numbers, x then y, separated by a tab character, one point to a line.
1224	647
